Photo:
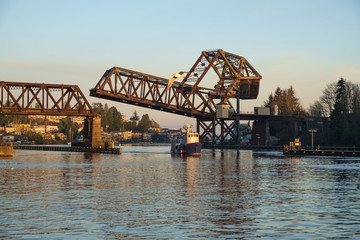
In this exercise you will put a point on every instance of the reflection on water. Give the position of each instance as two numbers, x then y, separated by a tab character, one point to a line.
147	193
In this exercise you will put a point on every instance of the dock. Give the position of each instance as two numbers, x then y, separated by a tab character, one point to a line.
295	148
319	152
69	149
242	147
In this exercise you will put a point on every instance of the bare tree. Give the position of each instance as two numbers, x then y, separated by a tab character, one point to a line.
317	110
328	98
353	96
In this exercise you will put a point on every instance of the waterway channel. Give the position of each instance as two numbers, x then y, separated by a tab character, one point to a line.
146	193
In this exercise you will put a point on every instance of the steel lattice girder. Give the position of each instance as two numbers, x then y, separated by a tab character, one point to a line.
226	127
237	79
43	99
123	85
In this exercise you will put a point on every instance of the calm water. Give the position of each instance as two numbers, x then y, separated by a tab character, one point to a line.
146	193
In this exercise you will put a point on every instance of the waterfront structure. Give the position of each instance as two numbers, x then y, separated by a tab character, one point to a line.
237	80
51	100
295	148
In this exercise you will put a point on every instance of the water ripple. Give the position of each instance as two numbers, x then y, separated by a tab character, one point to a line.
148	194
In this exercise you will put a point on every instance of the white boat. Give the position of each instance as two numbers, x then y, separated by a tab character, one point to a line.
189	145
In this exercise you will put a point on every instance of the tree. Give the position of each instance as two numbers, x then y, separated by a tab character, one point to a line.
340	101
154	124
338	116
328	98
98	108
352	97
130	126
145	123
317	110
67	127
110	117
36	137
285	101
113	119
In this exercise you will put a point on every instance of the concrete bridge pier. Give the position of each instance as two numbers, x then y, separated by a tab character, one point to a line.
92	132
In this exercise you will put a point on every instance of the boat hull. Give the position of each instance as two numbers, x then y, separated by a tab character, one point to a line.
188	149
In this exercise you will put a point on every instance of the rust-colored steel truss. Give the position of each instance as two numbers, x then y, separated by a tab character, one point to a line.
237	79
43	99
218	131
127	86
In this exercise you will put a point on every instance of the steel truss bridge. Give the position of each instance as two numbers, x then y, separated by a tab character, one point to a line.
43	99
50	100
237	79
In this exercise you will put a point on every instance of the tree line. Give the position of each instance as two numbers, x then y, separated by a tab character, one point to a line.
338	106
111	120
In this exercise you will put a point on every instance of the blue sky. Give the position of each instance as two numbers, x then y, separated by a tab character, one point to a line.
305	44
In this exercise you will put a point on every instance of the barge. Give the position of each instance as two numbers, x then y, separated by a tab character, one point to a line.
295	149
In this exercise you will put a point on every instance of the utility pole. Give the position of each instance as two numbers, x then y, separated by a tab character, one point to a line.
312	131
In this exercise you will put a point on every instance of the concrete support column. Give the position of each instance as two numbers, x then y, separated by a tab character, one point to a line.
87	130
96	140
92	132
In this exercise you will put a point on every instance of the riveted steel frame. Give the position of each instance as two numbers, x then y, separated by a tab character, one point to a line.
43	99
124	85
217	131
237	79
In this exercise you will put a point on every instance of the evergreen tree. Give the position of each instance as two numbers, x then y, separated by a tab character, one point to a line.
130	126
67	127
113	118
145	123
338	117
110	117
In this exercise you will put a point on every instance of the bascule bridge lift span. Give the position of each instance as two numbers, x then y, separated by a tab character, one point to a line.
237	79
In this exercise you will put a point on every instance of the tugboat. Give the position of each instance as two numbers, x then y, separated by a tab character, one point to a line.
189	145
